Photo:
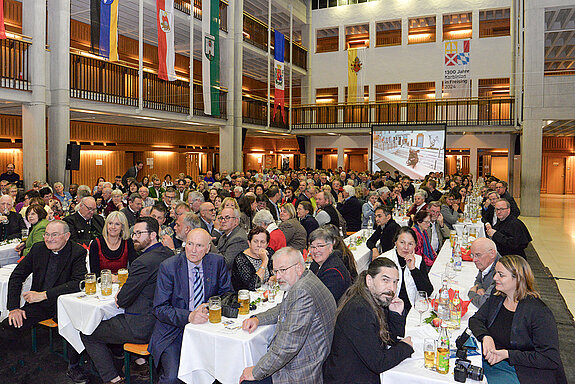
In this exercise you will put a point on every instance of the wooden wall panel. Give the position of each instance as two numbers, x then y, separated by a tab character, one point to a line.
289	144
112	164
13	156
164	162
13	16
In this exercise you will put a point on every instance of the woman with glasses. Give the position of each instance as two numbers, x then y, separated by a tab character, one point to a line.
114	249
252	267
327	263
412	270
421	224
517	330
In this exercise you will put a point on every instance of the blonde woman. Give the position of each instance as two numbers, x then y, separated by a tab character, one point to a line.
295	233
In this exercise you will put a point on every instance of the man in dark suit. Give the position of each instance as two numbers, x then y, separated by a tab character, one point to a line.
488	209
11	223
132	172
434	194
274	197
305	195
132	211
57	264
385	232
350	208
136	297
234	239
206	274
84	225
509	234
407	189
501	188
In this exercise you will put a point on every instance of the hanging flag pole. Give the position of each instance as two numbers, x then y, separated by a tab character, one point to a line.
211	56
166	50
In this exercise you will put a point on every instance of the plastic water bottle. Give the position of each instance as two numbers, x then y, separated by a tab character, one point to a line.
443	307
369	226
457	261
456	311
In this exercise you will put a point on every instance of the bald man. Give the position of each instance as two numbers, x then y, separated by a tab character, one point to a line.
485	256
185	283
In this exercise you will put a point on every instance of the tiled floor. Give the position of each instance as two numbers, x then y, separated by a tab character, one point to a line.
553	236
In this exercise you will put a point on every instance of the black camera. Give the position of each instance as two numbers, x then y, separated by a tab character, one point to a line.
463	368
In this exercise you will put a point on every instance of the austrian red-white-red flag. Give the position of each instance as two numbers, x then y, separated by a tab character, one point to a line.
2	28
166	50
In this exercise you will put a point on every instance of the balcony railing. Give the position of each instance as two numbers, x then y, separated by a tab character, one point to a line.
99	80
254	111
14	64
453	112
185	6
256	34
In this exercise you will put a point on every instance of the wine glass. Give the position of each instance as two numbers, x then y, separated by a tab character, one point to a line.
421	304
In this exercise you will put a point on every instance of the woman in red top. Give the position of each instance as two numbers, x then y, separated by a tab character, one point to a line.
114	249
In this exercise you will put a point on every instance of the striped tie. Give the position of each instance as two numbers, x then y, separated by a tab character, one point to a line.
198	288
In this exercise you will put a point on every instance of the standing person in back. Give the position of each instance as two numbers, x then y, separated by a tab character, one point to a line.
132	172
350	208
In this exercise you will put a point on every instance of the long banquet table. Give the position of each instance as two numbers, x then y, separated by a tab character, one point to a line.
5	273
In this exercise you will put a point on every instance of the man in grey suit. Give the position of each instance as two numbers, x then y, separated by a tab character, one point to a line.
207	216
136	296
485	256
437	230
132	211
305	322
233	240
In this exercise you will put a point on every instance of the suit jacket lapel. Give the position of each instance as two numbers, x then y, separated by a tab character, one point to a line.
208	281
182	277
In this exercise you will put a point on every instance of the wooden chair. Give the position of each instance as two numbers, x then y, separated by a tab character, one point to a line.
51	325
140	350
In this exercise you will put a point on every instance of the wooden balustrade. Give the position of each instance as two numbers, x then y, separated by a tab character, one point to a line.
185	6
14	64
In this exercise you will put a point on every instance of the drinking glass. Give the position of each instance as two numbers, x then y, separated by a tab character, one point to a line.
25	234
244	300
215	309
429	349
105	281
421	304
89	284
122	276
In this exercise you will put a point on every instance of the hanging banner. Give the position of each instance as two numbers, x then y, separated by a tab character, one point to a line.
279	82
355	74
456	79
166	50
95	26
108	44
2	27
211	56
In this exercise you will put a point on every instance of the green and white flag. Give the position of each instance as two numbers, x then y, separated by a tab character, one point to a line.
211	56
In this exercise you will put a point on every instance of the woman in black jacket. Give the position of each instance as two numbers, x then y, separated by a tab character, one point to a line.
304	211
517	330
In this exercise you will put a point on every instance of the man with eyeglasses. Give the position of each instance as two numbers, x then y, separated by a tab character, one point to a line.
234	239
501	188
304	326
11	223
136	297
57	265
485	256
509	234
185	283
84	224
207	217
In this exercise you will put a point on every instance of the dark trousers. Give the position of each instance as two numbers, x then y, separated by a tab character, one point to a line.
112	331
170	363
35	313
267	380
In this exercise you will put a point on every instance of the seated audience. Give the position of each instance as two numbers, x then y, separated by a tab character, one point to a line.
113	250
193	271
327	263
368	209
116	203
304	214
422	222
509	234
136	297
132	211
248	208
418	204
36	216
485	256
350	208
501	188
449	209
84	225
295	233
488	209
233	240
345	253
251	268
369	328
437	231
265	220
11	223
517	330
326	212
385	231
413	276
302	339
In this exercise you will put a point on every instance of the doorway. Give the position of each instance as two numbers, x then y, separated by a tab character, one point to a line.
556	175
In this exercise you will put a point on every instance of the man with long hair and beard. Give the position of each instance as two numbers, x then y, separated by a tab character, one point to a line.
370	325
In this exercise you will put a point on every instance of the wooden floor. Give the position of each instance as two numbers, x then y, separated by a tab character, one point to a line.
553	236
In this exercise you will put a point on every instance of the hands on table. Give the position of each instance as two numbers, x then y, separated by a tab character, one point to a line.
250	325
200	315
34	297
16	317
247	374
492	355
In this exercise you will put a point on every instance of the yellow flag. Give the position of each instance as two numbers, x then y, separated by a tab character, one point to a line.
355	70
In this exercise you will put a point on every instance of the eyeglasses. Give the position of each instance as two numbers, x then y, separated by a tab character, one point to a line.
52	235
501	209
89	208
227	218
138	233
283	270
318	246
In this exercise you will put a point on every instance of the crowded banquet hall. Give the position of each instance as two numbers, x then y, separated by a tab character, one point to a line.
287	191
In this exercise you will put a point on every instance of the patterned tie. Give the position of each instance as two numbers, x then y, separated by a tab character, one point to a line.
198	288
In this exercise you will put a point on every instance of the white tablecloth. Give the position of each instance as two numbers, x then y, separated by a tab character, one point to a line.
5	273
361	253
412	369
403	221
8	255
78	312
214	351
478	226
